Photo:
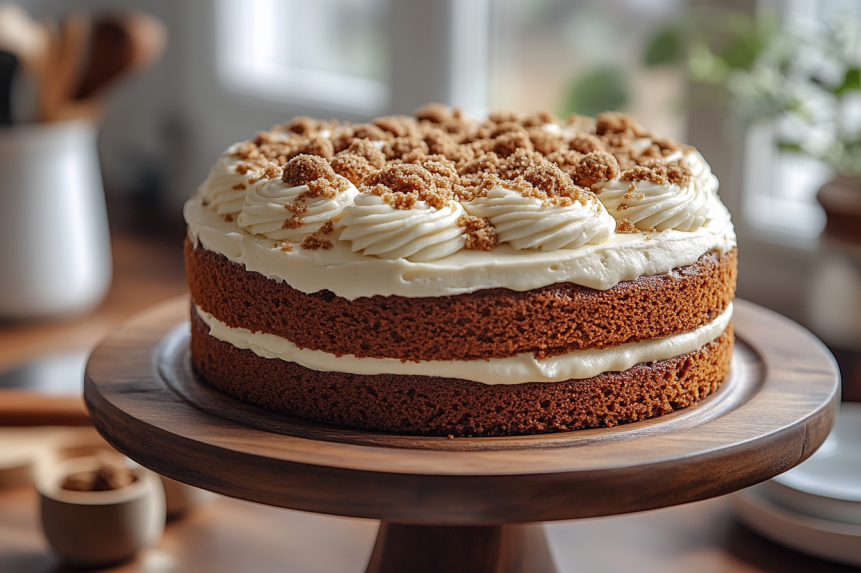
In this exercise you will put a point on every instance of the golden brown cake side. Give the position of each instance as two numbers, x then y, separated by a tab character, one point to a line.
493	323
429	405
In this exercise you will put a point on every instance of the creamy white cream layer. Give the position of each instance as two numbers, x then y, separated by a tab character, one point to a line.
622	257
519	369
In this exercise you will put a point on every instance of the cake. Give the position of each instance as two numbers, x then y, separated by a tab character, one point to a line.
454	276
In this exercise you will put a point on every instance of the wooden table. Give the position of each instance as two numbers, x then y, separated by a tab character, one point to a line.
145	272
220	536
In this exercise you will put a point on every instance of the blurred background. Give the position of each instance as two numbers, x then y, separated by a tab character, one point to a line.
768	90
718	74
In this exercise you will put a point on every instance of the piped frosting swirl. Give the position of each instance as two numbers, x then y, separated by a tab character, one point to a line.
651	199
281	211
420	233
438	187
224	187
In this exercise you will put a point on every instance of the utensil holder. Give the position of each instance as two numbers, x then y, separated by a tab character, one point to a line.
55	254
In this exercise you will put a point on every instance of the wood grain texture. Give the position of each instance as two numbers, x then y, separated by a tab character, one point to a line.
231	536
777	426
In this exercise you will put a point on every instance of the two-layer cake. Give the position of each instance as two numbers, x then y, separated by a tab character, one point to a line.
445	275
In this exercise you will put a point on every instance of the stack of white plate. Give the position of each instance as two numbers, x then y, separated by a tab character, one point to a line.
815	507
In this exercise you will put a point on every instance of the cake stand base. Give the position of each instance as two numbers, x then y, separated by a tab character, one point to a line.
467	549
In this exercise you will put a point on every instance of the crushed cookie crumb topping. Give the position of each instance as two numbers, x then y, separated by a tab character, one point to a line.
304	169
313	242
626	227
402	185
660	174
480	233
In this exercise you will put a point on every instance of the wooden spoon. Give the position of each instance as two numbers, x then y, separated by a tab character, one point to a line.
65	57
119	45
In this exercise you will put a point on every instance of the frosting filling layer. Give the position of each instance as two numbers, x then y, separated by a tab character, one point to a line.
578	364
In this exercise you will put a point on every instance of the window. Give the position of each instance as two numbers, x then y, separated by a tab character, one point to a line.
332	53
779	202
541	48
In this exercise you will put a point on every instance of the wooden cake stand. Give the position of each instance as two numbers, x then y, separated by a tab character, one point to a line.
465	504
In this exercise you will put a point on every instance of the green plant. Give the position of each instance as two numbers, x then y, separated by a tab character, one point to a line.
806	77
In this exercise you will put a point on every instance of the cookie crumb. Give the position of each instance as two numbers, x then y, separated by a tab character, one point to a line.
293	223
480	233
626	227
303	169
326	228
596	167
313	242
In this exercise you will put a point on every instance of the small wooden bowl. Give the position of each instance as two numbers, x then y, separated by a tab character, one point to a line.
97	528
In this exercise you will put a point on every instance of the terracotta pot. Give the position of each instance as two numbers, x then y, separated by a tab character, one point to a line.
841	199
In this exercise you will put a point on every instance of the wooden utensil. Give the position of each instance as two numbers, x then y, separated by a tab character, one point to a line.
67	46
118	45
8	65
24	37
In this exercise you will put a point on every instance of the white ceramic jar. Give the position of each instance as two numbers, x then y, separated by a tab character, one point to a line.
55	255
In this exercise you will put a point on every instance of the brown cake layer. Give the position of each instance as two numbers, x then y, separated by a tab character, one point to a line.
492	323
445	406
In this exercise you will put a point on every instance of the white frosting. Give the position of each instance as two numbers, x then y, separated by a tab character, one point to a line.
353	275
422	233
526	223
664	206
224	188
574	365
264	210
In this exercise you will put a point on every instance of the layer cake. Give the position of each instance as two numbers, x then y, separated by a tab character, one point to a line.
448	275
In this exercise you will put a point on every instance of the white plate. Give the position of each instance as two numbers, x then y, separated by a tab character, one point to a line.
834	471
825	539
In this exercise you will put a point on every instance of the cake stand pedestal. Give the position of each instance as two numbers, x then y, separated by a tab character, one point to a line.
465	504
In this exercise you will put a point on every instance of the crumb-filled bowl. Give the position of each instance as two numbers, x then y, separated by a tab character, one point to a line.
106	524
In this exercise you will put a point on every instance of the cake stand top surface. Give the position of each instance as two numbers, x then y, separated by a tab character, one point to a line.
775	408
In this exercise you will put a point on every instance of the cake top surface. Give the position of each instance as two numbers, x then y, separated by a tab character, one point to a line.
439	185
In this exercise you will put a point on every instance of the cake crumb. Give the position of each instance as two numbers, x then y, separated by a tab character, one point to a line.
434	112
480	233
674	173
228	218
110	474
626	226
402	185
327	228
313	242
303	169
596	167
293	223
286	246
352	167
239	186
